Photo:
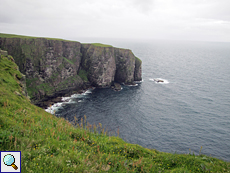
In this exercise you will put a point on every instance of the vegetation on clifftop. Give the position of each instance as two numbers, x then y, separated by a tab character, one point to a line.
51	144
99	44
138	61
3	35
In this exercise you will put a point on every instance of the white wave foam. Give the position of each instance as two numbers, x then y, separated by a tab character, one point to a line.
138	82
133	85
67	100
88	92
52	109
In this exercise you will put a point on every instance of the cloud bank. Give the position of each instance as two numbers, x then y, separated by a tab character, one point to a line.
203	20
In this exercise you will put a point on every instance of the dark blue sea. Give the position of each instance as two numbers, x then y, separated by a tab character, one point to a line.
190	109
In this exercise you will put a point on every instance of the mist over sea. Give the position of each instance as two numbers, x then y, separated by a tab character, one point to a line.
189	110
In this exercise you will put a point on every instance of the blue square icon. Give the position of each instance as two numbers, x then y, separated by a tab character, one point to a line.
10	161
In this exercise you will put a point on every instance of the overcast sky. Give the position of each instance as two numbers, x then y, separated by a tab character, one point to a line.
202	20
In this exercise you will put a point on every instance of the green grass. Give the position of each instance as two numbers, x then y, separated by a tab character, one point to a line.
3	35
101	45
138	59
98	44
68	61
83	74
51	144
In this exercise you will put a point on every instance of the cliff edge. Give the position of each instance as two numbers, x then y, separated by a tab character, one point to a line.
55	67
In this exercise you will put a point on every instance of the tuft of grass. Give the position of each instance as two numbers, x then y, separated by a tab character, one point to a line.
101	45
98	44
51	144
83	74
68	61
138	61
4	35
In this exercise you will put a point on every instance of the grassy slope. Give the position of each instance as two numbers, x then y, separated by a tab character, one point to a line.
101	45
51	144
3	35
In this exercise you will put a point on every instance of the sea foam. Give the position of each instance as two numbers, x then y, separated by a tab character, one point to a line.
67	100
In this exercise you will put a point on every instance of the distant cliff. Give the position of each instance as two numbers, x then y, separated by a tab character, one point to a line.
55	67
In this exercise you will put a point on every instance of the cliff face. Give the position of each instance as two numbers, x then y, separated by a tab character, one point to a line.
108	64
125	62
138	70
100	64
55	67
50	66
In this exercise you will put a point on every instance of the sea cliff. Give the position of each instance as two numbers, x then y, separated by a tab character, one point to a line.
56	67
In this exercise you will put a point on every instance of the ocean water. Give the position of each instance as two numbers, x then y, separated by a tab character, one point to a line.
190	109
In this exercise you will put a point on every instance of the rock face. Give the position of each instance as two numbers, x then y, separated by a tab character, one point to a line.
99	62
55	67
125	62
50	66
138	70
107	64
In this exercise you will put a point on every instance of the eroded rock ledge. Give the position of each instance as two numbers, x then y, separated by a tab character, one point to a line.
55	67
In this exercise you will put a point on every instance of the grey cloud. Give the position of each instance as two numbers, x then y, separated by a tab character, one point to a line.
144	6
116	18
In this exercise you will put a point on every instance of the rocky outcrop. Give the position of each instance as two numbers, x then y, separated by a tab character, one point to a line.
55	67
158	80
125	62
107	64
99	62
116	86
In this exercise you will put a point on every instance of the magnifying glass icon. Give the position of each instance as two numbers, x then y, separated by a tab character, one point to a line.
9	160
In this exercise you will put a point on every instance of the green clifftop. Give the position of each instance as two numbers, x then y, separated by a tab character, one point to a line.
54	67
51	144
